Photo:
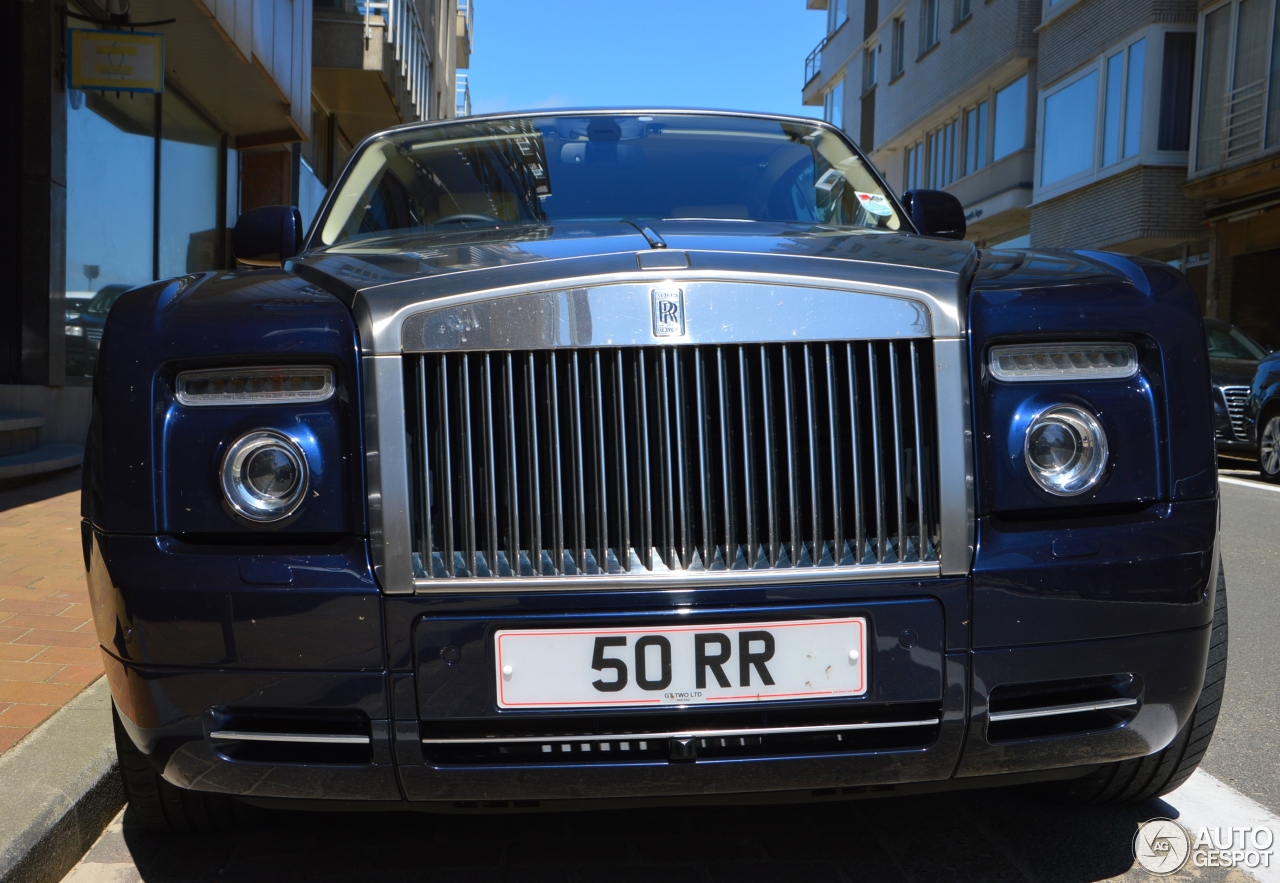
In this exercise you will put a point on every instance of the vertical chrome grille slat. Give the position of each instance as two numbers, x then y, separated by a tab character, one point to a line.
446	469
512	481
700	415
579	466
468	471
553	457
490	470
425	540
834	444
815	495
645	475
900	497
628	460
922	538
623	485
876	449
726	467
793	470
770	469
855	420
601	468
748	459
534	468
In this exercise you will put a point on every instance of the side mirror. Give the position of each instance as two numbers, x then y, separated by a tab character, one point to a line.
935	213
267	236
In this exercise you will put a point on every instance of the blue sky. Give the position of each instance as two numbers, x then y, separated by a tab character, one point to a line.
731	54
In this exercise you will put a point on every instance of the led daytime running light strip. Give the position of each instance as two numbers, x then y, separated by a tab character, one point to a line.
1054	361
255	386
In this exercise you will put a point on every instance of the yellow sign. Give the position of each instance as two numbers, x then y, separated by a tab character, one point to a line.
115	61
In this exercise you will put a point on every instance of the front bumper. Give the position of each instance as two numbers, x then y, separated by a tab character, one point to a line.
196	639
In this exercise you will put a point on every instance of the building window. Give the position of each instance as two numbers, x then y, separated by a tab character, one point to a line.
942	147
869	57
1094	120
1011	119
913	172
975	138
1239	100
833	104
1177	77
964	9
1070	117
897	54
928	24
837	14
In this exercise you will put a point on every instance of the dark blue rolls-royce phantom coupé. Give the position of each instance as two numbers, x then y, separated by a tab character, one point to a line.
644	456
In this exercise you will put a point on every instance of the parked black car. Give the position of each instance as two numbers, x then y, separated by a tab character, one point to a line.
1263	416
84	329
1233	359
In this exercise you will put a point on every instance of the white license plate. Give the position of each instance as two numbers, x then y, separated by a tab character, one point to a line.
682	665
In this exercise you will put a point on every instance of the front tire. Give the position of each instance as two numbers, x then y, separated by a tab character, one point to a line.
1133	781
1269	448
161	806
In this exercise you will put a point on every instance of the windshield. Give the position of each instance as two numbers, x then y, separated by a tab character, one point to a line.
1229	342
585	167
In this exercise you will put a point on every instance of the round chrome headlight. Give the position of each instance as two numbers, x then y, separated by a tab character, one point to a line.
1065	450
264	476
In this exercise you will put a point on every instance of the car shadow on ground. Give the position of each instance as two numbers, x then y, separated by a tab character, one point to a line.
16	492
988	836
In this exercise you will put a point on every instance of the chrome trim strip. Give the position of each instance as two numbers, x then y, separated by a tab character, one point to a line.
677	580
387	473
688	734
1053	710
955	457
619	315
307	738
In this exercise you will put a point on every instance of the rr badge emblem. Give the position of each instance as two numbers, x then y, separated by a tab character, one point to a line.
668	312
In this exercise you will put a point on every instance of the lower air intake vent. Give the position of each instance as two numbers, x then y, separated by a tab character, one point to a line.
680	736
1062	708
289	738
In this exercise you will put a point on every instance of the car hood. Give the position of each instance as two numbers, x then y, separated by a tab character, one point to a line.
369	264
1232	372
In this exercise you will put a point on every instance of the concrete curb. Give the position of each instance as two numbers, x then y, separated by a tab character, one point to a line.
59	789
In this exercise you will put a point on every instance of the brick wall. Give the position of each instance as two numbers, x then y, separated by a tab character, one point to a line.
1082	31
1143	203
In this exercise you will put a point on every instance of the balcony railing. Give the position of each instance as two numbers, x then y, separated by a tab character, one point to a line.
1244	118
813	64
399	20
464	96
467	13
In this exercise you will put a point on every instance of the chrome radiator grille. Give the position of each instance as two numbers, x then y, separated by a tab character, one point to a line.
640	460
1237	397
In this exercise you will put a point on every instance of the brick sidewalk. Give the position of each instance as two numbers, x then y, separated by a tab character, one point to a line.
48	649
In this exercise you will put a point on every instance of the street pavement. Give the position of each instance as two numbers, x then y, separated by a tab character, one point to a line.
986	836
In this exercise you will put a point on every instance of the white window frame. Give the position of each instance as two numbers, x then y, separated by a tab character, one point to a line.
870	63
1147	154
1193	159
837	83
897	47
930	39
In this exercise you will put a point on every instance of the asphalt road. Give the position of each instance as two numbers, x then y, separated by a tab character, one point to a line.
987	836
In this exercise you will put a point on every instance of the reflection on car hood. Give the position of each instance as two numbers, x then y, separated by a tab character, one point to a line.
1232	372
370	263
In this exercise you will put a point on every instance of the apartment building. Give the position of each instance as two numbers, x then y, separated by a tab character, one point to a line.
1235	160
1055	122
142	128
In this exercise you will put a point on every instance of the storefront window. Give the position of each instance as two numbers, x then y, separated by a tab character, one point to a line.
110	207
188	190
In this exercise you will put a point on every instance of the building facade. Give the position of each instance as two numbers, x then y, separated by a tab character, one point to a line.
254	102
1059	123
1235	160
